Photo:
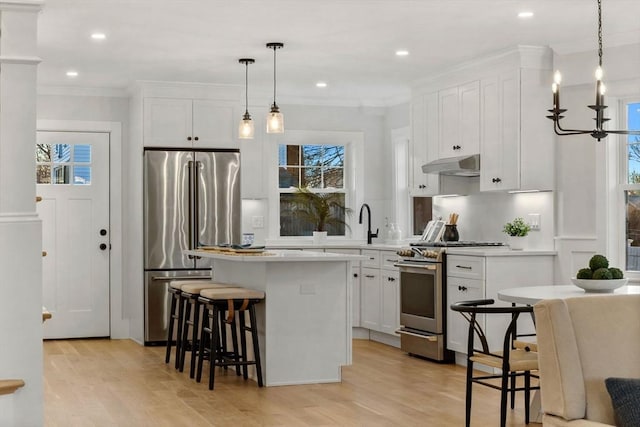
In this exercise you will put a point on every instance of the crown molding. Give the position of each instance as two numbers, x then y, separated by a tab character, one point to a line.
82	91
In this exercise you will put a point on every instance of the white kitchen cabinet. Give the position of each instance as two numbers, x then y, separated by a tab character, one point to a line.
423	145
390	301
517	145
500	146
459	120
189	123
380	292
460	289
370	298
497	114
480	277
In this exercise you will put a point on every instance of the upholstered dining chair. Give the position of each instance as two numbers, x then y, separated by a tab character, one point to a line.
513	361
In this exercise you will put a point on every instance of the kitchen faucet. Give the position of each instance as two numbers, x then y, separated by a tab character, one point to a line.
370	235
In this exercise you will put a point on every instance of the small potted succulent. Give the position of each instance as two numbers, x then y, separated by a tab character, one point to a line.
516	231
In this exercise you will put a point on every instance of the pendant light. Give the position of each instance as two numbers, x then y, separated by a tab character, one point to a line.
556	112
275	121
246	130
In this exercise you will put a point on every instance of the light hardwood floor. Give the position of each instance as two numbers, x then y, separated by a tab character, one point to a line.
120	383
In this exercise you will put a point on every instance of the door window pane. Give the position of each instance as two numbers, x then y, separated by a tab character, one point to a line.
82	153
633	144
43	153
43	174
61	174
82	175
61	153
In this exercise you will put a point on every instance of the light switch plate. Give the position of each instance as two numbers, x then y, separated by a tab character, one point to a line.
534	221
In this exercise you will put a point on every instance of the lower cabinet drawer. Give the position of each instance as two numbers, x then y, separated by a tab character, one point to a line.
471	267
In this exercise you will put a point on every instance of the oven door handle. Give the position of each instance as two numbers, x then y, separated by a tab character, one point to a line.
431	338
426	267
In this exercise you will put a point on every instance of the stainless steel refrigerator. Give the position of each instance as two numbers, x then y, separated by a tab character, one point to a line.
191	198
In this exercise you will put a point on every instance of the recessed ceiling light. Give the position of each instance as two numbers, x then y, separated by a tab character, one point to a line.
321	84
98	36
525	15
72	73
402	52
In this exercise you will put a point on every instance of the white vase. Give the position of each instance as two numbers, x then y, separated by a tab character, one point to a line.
517	243
319	237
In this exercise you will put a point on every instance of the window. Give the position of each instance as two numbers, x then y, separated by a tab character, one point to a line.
321	169
631	188
57	163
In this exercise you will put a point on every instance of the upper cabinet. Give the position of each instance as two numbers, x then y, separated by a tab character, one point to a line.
496	107
423	145
191	123
459	120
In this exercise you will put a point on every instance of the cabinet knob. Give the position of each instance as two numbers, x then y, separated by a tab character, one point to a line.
422	186
355	274
456	147
496	180
188	138
196	138
462	288
391	279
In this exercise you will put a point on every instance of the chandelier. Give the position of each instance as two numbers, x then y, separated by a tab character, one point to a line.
556	112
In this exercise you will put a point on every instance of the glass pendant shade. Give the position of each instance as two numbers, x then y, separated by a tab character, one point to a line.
275	120
246	129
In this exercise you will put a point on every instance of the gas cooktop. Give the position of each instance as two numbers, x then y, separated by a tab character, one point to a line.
458	244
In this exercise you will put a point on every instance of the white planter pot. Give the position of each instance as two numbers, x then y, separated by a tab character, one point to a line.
517	243
319	237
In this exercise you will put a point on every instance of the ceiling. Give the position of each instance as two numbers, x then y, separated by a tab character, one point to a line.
349	44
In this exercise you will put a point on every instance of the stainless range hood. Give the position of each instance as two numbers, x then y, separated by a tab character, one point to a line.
458	166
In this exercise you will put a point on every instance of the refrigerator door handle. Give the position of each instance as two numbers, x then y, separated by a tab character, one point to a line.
190	168
196	204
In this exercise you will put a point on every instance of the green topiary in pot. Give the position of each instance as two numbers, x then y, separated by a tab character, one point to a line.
517	228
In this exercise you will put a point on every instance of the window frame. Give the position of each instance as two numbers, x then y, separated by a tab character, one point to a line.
619	237
353	176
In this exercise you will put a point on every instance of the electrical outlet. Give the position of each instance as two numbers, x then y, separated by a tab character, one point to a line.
534	221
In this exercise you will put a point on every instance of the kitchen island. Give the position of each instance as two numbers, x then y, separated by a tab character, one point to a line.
304	324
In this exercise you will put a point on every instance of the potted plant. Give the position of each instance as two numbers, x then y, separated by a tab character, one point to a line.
320	209
516	231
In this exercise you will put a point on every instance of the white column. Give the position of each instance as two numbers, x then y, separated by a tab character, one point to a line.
20	227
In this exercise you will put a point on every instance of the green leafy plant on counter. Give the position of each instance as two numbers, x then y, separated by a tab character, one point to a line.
320	209
517	228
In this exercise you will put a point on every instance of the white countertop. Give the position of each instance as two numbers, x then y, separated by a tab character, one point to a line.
337	245
277	255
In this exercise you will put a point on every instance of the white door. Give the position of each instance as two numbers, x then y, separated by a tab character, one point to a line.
72	176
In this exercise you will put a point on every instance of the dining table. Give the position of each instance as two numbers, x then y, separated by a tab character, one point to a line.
529	295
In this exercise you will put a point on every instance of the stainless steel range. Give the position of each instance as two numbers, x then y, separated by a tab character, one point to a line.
423	298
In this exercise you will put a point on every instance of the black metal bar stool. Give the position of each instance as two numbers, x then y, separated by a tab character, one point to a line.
216	302
191	319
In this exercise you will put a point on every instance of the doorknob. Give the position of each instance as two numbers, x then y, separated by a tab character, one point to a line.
103	246
103	232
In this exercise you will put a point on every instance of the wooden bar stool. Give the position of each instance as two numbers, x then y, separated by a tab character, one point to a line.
191	318
216	302
176	312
